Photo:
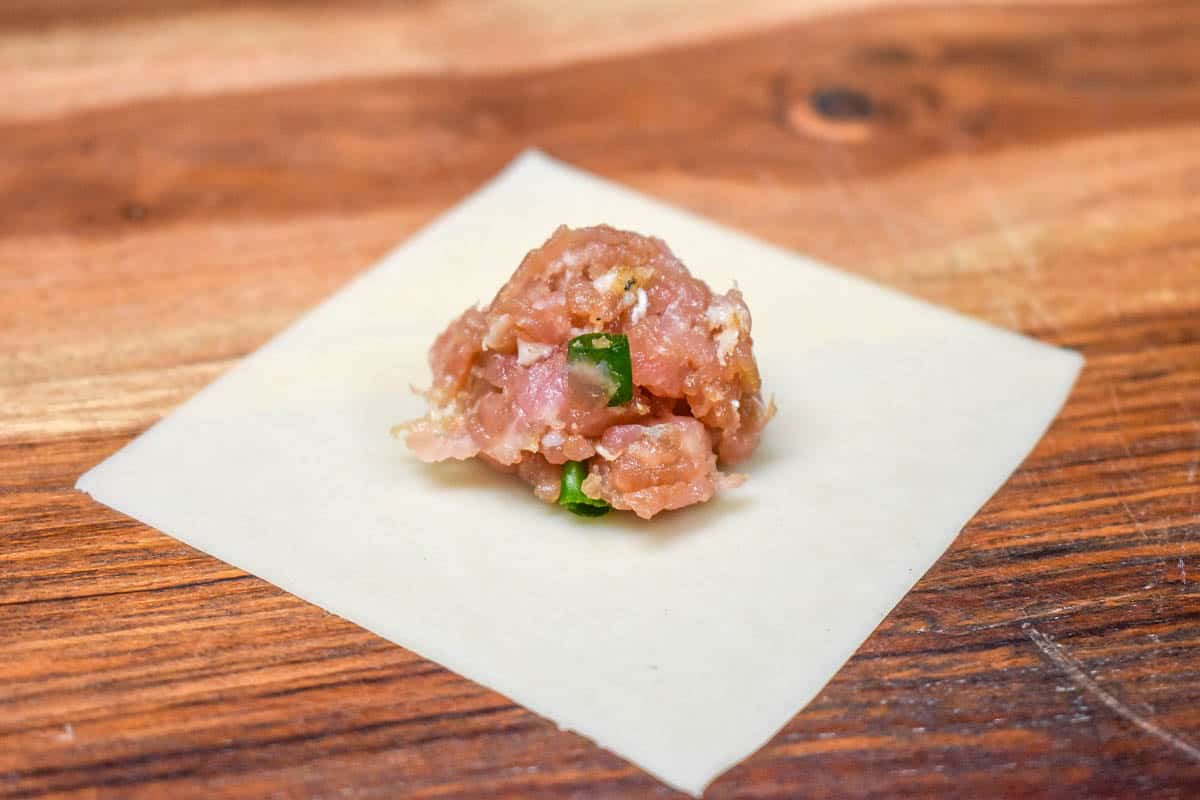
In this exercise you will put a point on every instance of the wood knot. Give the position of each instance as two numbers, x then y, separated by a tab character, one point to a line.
134	212
837	113
841	104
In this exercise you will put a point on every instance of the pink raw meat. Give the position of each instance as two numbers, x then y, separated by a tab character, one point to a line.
502	389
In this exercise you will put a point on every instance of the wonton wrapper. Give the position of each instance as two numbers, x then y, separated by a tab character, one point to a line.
681	644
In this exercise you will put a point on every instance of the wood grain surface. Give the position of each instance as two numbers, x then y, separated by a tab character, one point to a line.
180	180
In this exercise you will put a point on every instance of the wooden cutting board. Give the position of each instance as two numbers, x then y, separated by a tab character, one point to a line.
179	181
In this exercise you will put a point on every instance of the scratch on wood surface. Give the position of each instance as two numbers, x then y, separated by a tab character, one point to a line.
843	201
1119	410
1137	524
860	198
1058	612
1078	675
1191	473
1017	243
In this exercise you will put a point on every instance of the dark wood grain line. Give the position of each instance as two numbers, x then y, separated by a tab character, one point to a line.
175	587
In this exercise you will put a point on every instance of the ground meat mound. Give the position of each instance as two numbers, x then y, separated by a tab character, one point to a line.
502	390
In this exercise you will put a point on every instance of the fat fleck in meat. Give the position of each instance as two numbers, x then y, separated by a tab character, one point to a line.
502	389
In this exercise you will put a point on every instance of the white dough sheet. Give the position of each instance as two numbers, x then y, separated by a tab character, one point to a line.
683	643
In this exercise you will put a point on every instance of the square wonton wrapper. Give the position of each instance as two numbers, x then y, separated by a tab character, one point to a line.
682	644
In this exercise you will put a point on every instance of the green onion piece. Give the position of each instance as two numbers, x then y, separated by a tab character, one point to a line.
572	498
610	353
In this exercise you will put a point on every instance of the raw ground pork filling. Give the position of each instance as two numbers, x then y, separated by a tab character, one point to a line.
504	389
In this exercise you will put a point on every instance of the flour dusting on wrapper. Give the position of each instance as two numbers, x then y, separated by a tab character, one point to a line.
602	356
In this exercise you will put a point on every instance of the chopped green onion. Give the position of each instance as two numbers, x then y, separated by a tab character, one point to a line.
571	496
609	353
